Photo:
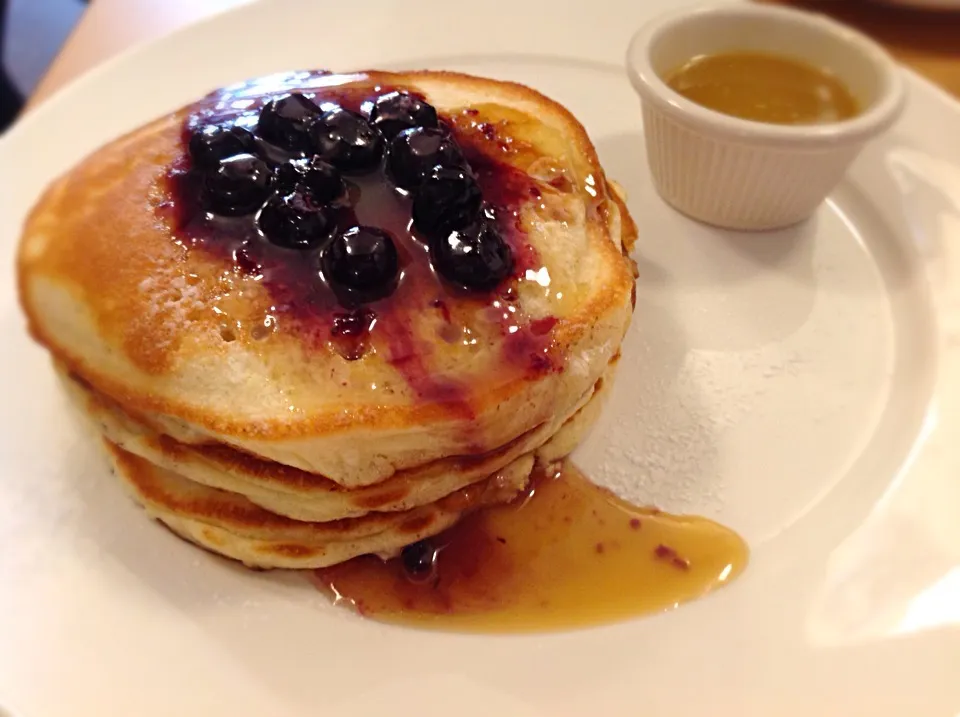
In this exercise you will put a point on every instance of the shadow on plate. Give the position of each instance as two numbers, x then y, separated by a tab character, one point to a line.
733	291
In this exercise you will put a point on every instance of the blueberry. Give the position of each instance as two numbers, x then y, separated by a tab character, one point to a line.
361	265
285	122
293	221
347	141
238	186
475	257
396	111
210	144
290	174
447	199
321	179
414	152
418	559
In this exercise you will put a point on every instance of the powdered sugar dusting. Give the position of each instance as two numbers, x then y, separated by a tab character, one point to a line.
172	300
665	454
744	395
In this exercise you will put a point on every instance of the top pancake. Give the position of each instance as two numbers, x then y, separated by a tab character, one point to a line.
173	330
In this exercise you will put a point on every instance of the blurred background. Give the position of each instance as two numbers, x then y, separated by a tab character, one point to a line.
31	33
46	43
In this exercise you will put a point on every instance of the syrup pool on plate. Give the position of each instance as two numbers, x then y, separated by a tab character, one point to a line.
565	554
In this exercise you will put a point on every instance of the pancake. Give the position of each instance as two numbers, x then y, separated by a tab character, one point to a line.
232	526
293	492
186	336
308	347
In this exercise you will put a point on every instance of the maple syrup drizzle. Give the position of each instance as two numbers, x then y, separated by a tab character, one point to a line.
565	554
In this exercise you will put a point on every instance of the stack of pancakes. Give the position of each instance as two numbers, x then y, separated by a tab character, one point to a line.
235	426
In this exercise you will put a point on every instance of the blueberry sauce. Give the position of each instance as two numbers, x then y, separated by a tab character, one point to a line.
331	236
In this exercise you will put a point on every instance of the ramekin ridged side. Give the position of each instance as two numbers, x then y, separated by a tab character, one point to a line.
738	173
736	184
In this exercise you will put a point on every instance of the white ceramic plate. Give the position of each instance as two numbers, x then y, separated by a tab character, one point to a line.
802	387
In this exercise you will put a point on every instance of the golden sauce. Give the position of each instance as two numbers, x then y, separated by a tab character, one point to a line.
565	554
764	88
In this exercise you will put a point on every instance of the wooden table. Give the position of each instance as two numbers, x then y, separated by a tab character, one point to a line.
929	42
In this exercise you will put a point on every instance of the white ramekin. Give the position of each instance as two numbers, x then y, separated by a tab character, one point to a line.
738	173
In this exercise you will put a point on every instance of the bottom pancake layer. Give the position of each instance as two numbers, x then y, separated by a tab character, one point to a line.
231	525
